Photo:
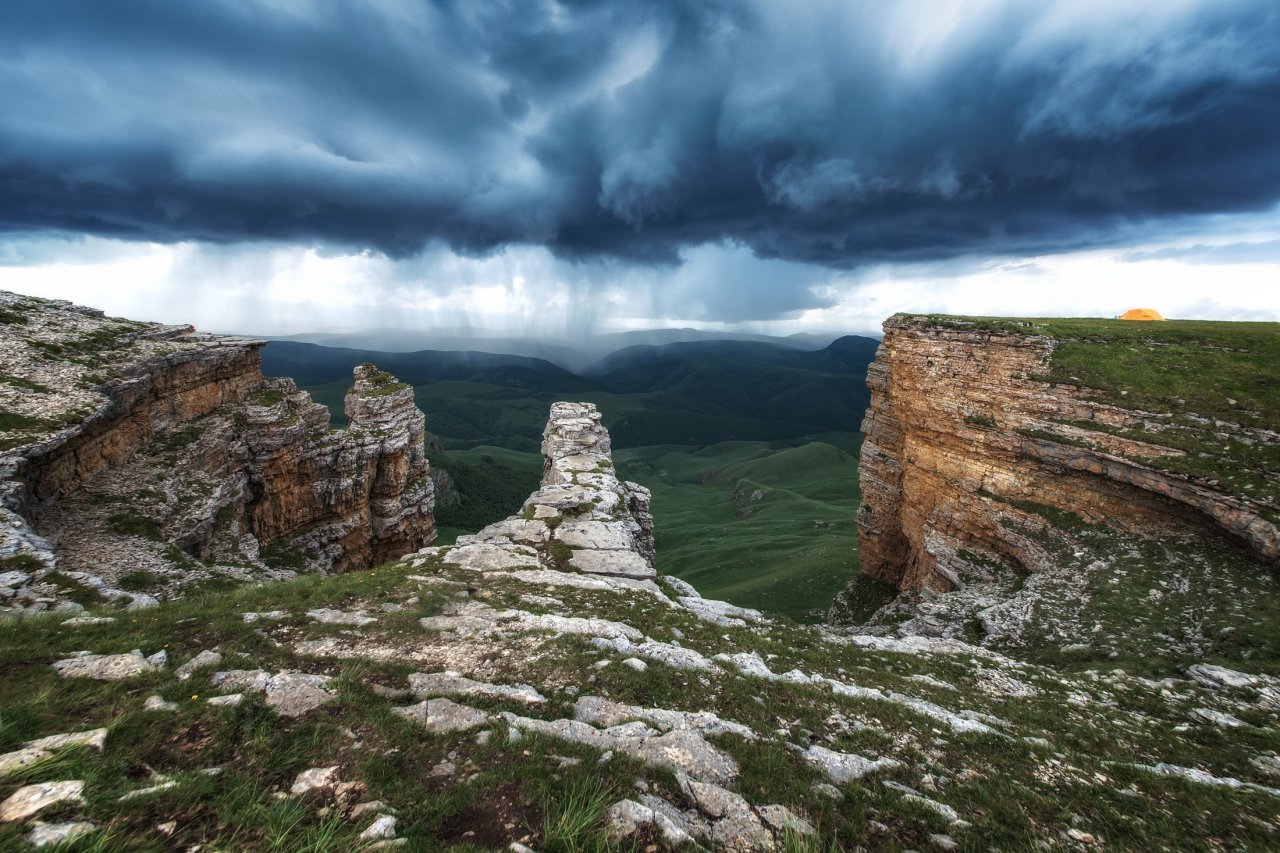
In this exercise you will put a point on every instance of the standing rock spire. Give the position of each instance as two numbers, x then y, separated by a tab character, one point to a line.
581	519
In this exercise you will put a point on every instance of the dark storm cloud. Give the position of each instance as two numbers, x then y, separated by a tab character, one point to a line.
834	133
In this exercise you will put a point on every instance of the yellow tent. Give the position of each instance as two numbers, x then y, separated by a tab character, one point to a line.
1141	314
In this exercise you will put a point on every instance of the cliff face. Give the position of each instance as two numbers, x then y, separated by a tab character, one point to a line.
974	446
142	460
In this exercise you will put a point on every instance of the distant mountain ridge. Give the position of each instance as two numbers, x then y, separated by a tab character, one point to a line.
684	392
580	356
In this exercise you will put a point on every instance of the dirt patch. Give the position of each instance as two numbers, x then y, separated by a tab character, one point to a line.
505	814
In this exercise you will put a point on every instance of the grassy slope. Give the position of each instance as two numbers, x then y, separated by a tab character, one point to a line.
1014	792
787	552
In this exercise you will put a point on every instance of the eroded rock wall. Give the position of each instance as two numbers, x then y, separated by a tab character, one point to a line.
163	454
962	427
360	496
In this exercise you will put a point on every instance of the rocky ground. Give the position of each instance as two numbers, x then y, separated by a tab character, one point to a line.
539	686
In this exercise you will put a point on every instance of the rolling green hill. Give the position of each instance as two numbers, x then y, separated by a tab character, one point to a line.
762	526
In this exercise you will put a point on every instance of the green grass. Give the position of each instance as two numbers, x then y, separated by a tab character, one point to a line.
135	524
25	384
1013	793
758	525
492	481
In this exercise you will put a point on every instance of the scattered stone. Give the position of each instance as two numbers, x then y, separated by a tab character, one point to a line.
627	818
158	703
781	820
314	779
95	738
250	680
32	799
205	658
676	750
736	826
844	767
720	612
77	622
105	667
291	694
266	615
162	783
328	616
230	700
944	842
11	762
1195	775
383	827
1213	677
169	827
946	811
361	809
43	834
444	715
454	683
41	749
604	712
159	660
636	664
1217	718
673	656
752	665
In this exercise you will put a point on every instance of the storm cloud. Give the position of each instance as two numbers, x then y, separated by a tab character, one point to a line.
831	133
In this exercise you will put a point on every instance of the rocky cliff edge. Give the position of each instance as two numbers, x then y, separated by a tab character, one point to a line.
140	461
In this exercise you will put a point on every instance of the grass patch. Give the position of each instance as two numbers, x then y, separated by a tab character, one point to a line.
133	524
20	563
139	580
25	384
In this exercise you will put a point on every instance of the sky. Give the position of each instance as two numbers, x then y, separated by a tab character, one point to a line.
557	168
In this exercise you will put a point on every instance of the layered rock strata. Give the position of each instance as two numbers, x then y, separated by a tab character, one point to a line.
967	443
162	454
962	427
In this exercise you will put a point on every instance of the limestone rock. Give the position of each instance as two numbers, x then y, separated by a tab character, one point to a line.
253	680
266	466
383	827
603	712
315	778
328	616
291	694
842	767
453	683
104	667
443	716
677	750
43	834
205	658
32	799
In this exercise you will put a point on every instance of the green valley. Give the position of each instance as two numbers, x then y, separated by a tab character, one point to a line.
750	449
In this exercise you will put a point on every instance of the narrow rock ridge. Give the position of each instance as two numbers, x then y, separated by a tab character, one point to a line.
582	519
163	453
961	427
